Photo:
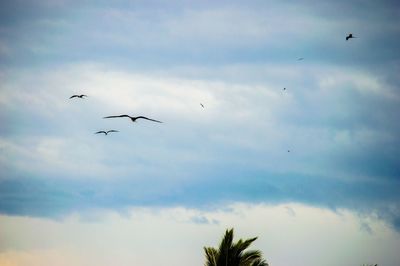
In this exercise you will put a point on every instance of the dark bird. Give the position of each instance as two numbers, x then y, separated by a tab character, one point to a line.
78	96
284	89
202	105
301	58
133	118
106	132
288	150
350	36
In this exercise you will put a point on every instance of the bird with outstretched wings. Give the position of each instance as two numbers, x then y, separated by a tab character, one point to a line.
78	96
350	36
106	132
133	118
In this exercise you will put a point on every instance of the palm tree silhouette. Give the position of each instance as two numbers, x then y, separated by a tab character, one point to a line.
233	254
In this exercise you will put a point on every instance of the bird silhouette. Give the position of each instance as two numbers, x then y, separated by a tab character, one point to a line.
284	89
106	132
78	96
301	58
202	105
350	36
133	118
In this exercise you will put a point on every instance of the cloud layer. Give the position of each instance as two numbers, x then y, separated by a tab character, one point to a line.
328	142
342	152
175	236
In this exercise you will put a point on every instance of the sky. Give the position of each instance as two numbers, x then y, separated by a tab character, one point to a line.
313	170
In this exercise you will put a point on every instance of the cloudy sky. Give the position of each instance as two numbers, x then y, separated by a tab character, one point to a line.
312	170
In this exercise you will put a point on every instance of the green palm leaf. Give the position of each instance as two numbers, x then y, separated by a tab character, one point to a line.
233	254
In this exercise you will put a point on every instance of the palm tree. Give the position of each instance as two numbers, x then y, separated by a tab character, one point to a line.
233	254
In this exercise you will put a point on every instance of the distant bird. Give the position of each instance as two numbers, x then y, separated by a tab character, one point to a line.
106	132
133	118
350	36
284	89
301	58
202	105
288	150
78	96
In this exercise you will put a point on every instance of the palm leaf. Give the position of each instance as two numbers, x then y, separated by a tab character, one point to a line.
233	254
211	256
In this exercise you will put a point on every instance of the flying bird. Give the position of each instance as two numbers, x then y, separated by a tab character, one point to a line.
133	118
284	89
301	58
78	96
202	105
106	132
350	36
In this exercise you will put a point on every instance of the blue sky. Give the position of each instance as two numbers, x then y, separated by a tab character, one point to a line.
337	116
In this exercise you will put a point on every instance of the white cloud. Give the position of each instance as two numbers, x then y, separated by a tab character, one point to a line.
258	118
170	236
53	157
355	80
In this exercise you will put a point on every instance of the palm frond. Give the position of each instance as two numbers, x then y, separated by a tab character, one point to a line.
248	257
211	256
259	262
233	254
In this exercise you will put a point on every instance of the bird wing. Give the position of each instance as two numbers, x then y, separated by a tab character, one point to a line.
112	130
83	95
143	117
98	132
73	96
116	116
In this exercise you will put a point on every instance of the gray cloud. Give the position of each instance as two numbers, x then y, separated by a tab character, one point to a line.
152	33
338	116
